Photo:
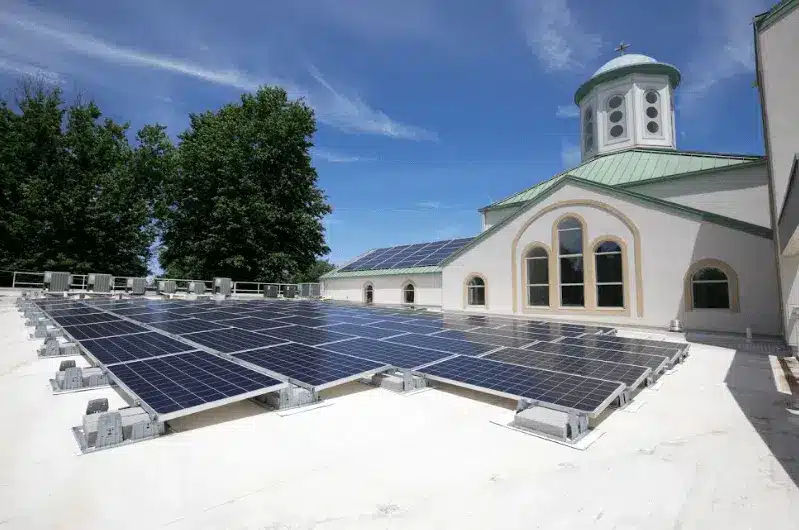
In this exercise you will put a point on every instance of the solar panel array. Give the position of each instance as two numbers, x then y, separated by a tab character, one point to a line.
177	355
418	255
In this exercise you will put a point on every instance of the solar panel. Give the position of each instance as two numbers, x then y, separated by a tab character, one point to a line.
306	335
443	344
629	374
484	338
398	355
652	347
156	316
305	321
525	336
362	331
72	312
187	380
232	340
214	315
252	323
191	310
422	254
237	309
188	325
657	363
91	318
129	311
402	327
309	365
131	347
103	329
583	394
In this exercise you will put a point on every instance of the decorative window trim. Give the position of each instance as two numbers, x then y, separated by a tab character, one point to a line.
469	277
645	119
589	110
625	279
624	122
589	302
732	285
552	271
405	284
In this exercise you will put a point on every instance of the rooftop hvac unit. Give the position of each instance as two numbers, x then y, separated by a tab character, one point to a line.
100	283
290	291
57	282
197	287
305	290
271	291
167	286
136	285
223	286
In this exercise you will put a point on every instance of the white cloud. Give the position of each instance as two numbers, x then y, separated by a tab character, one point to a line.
556	36
725	49
338	158
44	39
429	205
570	155
568	111
30	70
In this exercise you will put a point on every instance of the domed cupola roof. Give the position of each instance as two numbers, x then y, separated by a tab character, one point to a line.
624	65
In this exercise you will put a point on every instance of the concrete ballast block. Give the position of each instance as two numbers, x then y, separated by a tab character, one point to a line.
541	419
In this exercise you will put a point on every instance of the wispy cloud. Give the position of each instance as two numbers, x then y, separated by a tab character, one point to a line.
338	158
430	205
556	36
570	154
41	38
23	69
568	111
725	49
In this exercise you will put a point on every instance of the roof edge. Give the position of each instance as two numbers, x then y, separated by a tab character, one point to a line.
381	272
646	68
763	21
698	173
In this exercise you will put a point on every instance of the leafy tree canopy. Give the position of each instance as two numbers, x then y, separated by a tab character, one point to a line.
312	274
243	202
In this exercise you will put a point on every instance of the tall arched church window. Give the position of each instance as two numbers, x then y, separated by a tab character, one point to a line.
537	263
652	113
409	294
609	274
588	129
710	289
572	266
616	117
369	294
477	291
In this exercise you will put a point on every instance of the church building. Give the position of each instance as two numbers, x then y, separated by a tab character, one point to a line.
640	232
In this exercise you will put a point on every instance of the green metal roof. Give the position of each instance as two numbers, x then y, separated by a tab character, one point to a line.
765	20
656	68
379	272
635	166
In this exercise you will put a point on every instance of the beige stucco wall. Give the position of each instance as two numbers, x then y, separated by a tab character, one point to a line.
492	217
740	193
661	247
777	48
387	289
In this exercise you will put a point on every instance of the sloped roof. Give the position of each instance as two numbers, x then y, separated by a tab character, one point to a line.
634	166
764	20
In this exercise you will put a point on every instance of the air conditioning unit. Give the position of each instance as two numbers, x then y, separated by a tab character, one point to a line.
290	291
197	287
100	283
57	282
271	291
223	286
136	285
167	286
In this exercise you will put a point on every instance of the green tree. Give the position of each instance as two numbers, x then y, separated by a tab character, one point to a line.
244	202
312	274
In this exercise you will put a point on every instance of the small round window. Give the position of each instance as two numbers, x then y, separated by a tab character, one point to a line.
616	116
615	102
651	97
616	131
652	112
652	127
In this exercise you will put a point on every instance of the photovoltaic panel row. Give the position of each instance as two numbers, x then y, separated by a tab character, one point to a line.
631	375
232	340
156	316
484	338
187	325
187	380
252	323
657	363
525	336
418	255
584	394
305	335
214	314
670	349
362	331
91	318
103	329
443	344
312	366
397	355
127	348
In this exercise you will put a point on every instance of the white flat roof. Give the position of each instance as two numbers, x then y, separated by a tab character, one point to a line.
693	455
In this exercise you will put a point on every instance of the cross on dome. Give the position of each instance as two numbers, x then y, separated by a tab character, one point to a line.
622	47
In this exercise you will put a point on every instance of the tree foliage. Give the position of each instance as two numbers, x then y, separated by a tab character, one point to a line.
73	195
314	272
243	202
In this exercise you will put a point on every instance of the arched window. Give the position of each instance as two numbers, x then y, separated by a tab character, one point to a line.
616	118
711	289
537	262
588	129
369	294
477	291
409	294
609	275
572	271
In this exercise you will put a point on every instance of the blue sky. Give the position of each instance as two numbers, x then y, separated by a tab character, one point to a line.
427	110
